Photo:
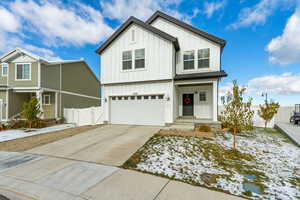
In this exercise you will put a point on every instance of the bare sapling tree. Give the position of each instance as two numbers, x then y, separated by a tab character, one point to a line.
237	114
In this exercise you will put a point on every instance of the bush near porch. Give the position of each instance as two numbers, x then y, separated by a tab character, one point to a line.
264	159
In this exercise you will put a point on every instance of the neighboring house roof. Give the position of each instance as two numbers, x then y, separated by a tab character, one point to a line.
133	20
216	74
47	62
186	26
19	50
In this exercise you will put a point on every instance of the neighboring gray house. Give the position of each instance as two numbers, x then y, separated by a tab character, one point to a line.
160	71
58	85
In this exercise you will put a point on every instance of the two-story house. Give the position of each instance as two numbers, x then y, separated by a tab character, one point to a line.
156	71
57	85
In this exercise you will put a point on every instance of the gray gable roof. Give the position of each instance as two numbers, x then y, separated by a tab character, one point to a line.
184	25
133	20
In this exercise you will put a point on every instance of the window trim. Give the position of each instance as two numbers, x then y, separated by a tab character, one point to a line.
44	97
183	61
7	65
127	60
140	59
203	59
205	92
133	61
16	64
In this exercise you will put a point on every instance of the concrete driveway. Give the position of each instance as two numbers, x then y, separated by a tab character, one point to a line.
84	167
109	145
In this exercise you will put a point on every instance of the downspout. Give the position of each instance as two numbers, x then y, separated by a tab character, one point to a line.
60	87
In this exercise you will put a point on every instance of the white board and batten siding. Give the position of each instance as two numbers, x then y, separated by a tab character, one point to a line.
190	41
158	57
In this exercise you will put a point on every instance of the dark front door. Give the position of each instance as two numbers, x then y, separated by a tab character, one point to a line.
188	104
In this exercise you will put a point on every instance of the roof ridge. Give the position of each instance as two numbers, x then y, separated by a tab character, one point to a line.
185	25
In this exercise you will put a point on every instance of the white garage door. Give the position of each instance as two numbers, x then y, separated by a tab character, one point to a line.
137	110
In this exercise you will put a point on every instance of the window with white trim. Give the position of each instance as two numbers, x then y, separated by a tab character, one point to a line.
127	60
4	70
203	58
46	99
188	60
23	71
202	96
139	58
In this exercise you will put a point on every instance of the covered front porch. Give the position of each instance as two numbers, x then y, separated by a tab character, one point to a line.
196	101
47	99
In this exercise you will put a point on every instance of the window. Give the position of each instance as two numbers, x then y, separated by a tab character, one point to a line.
203	58
46	99
119	98
132	97
146	97
139	61
202	96
127	60
23	71
126	98
153	97
4	69
113	98
139	97
160	96
188	60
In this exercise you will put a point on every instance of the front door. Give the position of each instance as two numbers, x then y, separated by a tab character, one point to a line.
188	104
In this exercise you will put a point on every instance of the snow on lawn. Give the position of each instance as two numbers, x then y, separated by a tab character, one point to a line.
21	133
266	161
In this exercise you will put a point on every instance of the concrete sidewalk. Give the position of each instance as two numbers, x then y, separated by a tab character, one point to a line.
291	130
48	178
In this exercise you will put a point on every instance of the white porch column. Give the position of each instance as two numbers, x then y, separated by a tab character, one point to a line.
56	105
215	100
39	96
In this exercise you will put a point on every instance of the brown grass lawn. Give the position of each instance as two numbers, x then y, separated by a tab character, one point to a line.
24	144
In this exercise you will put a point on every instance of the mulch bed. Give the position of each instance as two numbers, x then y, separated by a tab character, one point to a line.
186	133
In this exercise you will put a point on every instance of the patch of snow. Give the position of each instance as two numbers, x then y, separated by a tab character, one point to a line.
182	158
19	133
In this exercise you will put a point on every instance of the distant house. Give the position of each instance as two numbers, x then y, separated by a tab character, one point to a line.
58	85
157	71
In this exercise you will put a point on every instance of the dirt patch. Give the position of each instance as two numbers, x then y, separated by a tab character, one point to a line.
24	144
186	133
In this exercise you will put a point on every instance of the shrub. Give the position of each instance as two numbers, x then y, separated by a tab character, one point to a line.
31	111
204	128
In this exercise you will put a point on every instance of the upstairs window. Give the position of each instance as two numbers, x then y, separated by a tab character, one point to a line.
4	69
203	58
139	55
127	60
188	60
23	71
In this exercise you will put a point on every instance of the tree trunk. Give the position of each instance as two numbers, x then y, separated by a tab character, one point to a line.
266	122
234	138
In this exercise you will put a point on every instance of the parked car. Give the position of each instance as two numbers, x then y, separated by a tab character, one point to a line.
295	118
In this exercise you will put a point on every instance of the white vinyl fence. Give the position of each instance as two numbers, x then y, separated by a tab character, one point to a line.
283	115
84	116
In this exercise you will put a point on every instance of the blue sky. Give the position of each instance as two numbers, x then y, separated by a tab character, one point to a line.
263	36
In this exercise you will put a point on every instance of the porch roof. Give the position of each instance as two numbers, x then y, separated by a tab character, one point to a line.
216	74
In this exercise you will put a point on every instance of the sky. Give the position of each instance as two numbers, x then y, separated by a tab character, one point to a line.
263	36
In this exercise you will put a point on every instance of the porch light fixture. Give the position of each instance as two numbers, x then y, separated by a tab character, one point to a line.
105	100
167	98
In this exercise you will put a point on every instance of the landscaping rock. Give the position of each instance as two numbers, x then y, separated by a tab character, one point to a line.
209	178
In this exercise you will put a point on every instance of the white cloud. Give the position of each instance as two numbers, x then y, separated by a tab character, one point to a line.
285	84
285	49
211	7
259	13
76	25
8	22
142	9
